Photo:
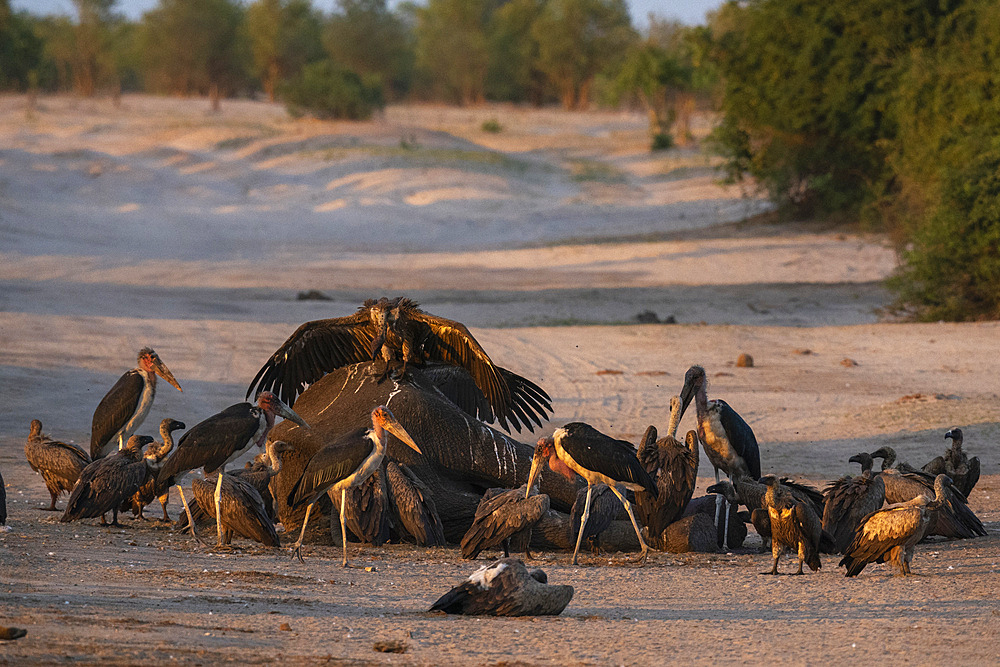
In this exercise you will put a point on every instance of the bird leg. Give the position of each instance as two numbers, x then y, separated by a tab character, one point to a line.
218	506
52	507
719	500
343	521
773	570
164	499
725	531
583	521
187	510
297	547
635	524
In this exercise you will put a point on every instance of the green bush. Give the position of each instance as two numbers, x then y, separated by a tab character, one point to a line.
325	90
492	126
661	141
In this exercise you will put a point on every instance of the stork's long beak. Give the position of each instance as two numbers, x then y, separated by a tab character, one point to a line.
161	369
536	469
290	414
392	425
687	393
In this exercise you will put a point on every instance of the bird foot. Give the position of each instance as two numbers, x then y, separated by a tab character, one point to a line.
297	553
227	548
48	509
775	571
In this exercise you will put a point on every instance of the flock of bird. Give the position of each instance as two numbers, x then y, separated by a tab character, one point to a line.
871	517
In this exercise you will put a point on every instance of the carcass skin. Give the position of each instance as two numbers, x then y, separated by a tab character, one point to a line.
462	457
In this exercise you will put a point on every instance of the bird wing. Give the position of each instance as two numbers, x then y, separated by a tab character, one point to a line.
329	465
741	438
211	442
451	342
935	466
500	517
529	402
242	508
414	507
115	409
601	453
313	350
367	514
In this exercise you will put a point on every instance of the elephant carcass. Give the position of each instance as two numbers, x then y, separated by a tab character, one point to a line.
461	455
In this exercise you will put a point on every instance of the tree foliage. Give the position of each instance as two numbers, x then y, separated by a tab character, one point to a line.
368	38
21	49
325	90
284	37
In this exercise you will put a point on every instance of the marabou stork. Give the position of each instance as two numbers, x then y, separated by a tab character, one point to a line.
504	518
599	459
794	526
674	468
155	456
727	439
892	533
505	588
849	500
344	464
59	463
956	464
106	482
954	519
222	438
123	409
397	330
413	507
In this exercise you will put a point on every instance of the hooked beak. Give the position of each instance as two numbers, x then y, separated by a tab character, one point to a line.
392	425
161	369
290	414
949	434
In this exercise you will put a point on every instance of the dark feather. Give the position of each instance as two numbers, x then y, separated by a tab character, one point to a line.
241	506
502	515
601	453
115	409
740	437
412	502
329	465
210	443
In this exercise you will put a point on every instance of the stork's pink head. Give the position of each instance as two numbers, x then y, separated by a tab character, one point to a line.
270	403
382	418
150	362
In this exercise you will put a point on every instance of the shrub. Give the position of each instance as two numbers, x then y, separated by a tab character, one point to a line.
492	126
325	90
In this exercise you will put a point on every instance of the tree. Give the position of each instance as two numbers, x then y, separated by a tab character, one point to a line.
576	40
364	36
660	80
93	64
451	47
196	46
20	49
513	73
327	90
284	37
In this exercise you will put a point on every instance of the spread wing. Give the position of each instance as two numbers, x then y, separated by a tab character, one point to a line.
450	342
114	410
315	349
529	402
329	465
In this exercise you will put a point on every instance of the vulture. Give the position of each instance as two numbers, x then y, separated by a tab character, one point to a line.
849	500
891	534
3	506
367	509
953	519
399	332
504	518
505	588
413	508
155	456
795	526
241	506
107	482
59	463
674	468
956	464
604	509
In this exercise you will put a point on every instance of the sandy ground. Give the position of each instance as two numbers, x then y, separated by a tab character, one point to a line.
159	223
